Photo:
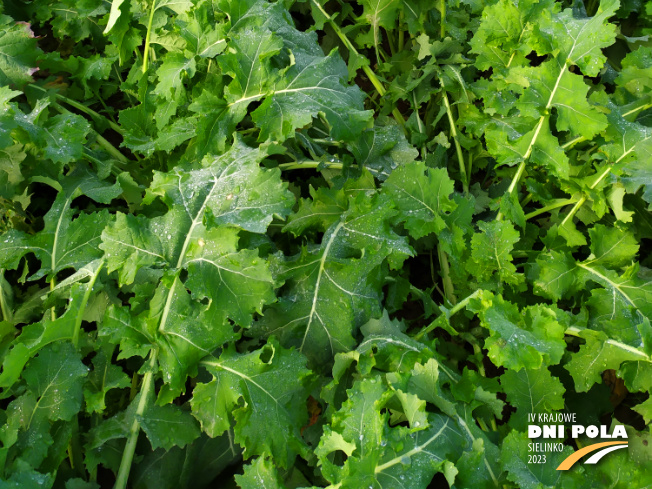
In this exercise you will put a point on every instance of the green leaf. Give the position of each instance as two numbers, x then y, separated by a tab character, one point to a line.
55	379
491	258
520	339
598	354
508	30
422	195
168	426
531	391
514	459
104	377
114	14
171	72
611	247
329	292
231	190
260	473
18	52
385	456
382	149
250	388
580	40
64	242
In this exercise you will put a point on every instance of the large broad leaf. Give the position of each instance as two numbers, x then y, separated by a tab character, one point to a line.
520	339
18	52
54	381
598	354
531	391
251	389
329	290
380	456
520	98
310	84
64	242
199	234
422	195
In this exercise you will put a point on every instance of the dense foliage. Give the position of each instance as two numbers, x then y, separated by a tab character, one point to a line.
303	244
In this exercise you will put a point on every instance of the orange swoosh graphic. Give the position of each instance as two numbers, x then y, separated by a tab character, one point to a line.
571	459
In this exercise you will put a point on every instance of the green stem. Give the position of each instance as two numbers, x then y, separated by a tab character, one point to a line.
543	119
130	448
82	306
575	331
53	284
109	148
7	314
449	290
368	71
309	164
463	303
390	41
82	108
106	108
454	310
469	166
572	142
595	183
401	33
147	36
636	109
442	12
458	147
328	142
550	207
424	150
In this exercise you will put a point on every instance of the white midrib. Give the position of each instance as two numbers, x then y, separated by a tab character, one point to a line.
245	377
322	263
182	254
414	451
277	92
55	243
610	282
486	462
535	136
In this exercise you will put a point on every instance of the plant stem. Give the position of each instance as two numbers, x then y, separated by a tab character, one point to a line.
53	284
449	290
82	108
550	207
442	12
82	306
572	142
455	309
526	200
636	109
458	148
368	71
130	447
109	148
544	118
401	32
7	314
147	36
309	164
580	202
424	150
